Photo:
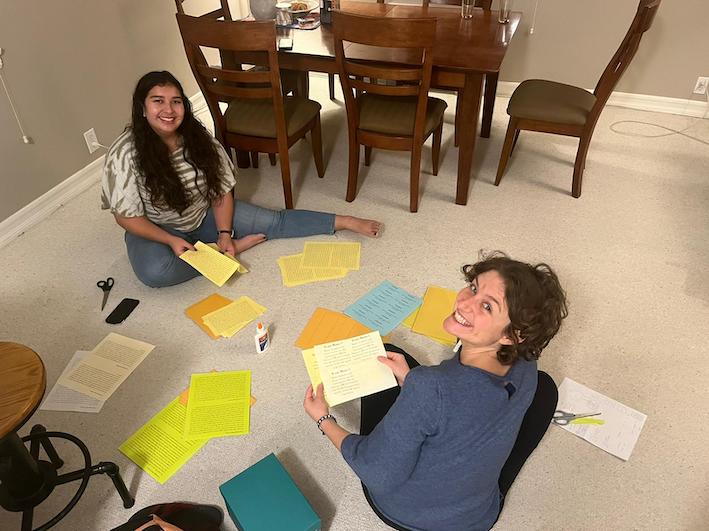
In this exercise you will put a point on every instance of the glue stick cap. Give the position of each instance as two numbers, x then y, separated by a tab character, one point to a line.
259	326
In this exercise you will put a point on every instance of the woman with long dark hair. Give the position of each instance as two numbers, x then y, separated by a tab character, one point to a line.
440	451
169	184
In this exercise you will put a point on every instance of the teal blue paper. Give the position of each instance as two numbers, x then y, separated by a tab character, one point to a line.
265	498
384	307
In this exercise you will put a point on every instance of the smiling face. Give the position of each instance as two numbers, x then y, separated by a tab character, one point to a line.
164	111
480	317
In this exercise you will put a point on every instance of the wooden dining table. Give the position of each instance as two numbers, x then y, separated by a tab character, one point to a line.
465	50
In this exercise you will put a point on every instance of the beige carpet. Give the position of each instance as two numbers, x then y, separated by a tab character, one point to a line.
632	253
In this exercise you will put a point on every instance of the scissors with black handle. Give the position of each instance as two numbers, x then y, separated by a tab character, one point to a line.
562	418
106	286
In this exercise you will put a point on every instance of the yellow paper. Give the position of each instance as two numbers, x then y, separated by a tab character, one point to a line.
218	404
350	369
240	268
100	373
323	254
212	264
311	365
409	321
198	310
326	326
159	447
294	274
437	304
184	395
228	320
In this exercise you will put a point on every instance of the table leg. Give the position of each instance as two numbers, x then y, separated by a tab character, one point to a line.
469	110
488	104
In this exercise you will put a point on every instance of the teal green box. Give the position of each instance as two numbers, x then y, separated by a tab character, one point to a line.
265	498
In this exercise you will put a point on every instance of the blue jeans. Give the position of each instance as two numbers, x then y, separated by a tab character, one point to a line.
156	265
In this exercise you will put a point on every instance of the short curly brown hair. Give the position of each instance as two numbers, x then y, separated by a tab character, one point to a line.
536	304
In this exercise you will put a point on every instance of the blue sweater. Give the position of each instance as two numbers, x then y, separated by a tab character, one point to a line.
434	460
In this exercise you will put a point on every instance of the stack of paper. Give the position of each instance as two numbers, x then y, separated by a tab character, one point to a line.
62	398
215	405
349	368
103	369
319	261
326	326
214	265
222	317
428	320
384	307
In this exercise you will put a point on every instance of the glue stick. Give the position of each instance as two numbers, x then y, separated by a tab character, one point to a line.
261	338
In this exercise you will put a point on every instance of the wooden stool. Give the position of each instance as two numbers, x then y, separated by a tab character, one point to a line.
26	481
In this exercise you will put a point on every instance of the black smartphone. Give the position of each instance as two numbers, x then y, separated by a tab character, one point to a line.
123	310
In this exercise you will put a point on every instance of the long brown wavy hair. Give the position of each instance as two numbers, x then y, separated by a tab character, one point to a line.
536	304
153	156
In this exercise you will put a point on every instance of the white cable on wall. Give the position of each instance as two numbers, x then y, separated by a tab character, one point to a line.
534	17
25	138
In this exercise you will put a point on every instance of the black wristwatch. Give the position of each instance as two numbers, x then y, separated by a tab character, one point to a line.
229	232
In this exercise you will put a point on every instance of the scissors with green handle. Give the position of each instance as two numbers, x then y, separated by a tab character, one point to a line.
562	418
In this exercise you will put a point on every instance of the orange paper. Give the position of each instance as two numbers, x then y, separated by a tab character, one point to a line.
326	326
205	306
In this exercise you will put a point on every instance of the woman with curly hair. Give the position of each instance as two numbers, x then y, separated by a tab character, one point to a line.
169	183
440	451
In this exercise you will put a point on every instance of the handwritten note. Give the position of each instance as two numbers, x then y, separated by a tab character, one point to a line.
100	373
212	264
218	404
350	369
384	307
159	446
323	254
622	424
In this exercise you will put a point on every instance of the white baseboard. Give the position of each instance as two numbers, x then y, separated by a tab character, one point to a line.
43	206
640	102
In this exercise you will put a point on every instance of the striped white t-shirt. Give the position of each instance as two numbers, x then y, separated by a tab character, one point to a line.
123	189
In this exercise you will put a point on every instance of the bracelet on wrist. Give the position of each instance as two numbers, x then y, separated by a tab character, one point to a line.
322	419
230	232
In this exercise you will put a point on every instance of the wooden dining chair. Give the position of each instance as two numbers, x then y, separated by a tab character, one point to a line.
551	107
292	81
399	116
258	117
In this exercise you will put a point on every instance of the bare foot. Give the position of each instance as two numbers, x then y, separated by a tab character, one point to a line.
368	227
247	242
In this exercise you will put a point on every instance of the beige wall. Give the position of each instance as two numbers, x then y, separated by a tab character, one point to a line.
72	65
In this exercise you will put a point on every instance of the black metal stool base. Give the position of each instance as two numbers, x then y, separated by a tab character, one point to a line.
27	482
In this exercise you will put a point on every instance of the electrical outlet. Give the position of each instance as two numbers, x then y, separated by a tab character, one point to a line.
91	140
701	86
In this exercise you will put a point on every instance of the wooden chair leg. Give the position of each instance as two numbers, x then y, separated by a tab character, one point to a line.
506	150
285	175
488	104
456	135
331	85
415	172
579	165
436	150
367	155
272	158
254	159
352	170
317	147
514	142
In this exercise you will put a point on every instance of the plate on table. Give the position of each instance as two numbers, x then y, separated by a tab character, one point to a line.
301	7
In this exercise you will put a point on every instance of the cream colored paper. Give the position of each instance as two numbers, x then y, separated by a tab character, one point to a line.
350	369
323	254
159	447
294	274
100	373
62	398
212	264
311	365
218	404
